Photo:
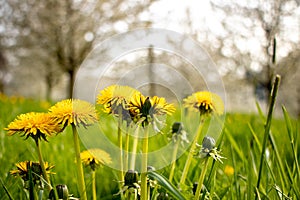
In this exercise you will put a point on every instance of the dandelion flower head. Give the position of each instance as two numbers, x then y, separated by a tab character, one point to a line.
73	111
95	158
229	170
205	102
35	125
23	170
142	107
114	97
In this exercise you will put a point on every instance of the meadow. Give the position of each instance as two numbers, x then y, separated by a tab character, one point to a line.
241	143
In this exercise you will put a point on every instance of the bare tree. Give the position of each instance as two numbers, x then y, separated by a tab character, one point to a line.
262	22
62	33
3	70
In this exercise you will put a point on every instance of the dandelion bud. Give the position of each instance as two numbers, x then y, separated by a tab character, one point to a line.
150	168
62	192
195	185
131	178
177	127
208	143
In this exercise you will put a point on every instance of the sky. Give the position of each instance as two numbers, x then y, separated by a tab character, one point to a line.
172	15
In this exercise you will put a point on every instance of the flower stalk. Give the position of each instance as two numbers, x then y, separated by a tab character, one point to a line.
174	159
201	178
126	148
94	184
120	142
144	189
42	164
190	154
134	148
80	175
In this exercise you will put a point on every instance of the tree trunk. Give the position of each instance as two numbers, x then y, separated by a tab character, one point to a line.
151	75
270	68
49	85
1	87
72	74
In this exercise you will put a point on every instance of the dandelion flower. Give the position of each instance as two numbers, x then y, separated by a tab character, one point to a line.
205	102
142	107
95	158
73	111
35	125
229	170
23	170
116	97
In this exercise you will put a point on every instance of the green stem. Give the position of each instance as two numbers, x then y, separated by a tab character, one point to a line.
42	164
32	192
94	185
267	127
134	148
80	175
144	189
120	144
174	159
201	179
126	147
190	155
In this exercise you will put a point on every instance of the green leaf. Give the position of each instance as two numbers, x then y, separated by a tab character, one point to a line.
291	137
6	190
234	145
260	112
164	182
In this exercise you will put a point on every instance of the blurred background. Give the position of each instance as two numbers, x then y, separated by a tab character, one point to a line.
43	44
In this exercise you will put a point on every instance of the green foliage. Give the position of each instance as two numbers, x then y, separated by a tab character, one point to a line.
241	143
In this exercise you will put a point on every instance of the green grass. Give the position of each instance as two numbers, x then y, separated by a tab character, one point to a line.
241	144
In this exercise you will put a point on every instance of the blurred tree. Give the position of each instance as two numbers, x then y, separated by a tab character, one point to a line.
61	33
251	36
3	70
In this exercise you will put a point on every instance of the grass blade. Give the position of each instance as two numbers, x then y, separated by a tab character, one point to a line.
213	166
234	144
164	182
260	112
236	185
268	126
294	186
254	135
6	190
291	137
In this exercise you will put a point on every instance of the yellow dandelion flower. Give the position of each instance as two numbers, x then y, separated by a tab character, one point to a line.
228	170
142	107
115	97
23	170
161	106
73	111
95	158
204	102
35	125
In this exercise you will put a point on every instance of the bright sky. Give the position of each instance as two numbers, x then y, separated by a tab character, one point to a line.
172	15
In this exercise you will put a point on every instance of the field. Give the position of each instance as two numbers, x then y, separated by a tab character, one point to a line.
240	142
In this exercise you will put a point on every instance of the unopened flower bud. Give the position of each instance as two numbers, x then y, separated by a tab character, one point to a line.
131	178
177	127
150	168
208	143
62	192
